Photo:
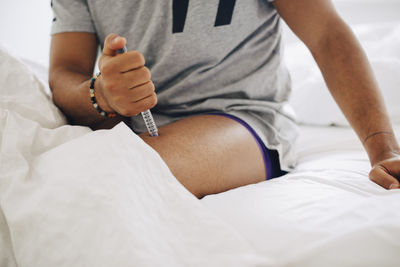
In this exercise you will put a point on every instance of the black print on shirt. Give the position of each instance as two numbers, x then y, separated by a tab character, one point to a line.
180	8
179	11
225	12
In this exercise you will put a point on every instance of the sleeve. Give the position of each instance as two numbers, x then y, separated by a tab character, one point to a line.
71	16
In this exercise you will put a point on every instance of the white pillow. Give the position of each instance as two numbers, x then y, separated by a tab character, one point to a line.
311	99
22	92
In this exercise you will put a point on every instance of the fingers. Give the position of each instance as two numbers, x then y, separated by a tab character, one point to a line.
147	103
141	92
381	175
144	104
135	100
112	43
121	63
136	77
122	82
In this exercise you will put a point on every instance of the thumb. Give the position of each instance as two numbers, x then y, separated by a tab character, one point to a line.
112	43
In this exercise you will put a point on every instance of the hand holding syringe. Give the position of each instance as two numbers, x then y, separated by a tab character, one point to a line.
147	117
125	86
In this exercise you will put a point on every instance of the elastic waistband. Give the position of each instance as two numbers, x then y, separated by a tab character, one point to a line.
270	157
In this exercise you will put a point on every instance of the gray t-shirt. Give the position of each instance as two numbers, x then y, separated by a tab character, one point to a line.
204	56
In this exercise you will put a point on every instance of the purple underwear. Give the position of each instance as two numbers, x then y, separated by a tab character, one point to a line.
271	157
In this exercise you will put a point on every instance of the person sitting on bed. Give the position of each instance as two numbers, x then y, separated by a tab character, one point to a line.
218	88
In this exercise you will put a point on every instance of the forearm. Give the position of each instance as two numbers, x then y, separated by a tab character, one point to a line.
71	94
351	82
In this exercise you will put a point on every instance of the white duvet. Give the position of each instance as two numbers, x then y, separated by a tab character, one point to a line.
73	197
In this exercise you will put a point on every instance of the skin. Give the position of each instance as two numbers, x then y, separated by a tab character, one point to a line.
211	154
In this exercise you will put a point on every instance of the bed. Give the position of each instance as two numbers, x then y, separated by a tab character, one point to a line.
63	203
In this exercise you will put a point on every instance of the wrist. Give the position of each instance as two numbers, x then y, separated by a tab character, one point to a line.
381	146
384	155
98	93
94	100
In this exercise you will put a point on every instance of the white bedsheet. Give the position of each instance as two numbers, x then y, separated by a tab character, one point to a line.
326	213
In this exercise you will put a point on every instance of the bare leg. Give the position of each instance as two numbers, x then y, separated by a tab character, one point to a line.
209	154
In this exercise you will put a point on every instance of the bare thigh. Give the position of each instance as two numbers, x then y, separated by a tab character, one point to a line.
209	154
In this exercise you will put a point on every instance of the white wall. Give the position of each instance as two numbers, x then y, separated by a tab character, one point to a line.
25	24
25	28
362	11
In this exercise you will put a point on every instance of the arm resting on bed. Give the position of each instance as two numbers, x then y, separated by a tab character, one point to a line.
347	73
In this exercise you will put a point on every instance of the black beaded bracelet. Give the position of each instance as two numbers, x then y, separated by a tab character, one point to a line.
94	101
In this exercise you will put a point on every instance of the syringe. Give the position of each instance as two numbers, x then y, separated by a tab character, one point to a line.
147	117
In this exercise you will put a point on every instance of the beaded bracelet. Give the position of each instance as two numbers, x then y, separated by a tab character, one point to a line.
94	101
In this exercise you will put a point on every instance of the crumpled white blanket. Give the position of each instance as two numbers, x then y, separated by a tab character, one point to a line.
73	197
